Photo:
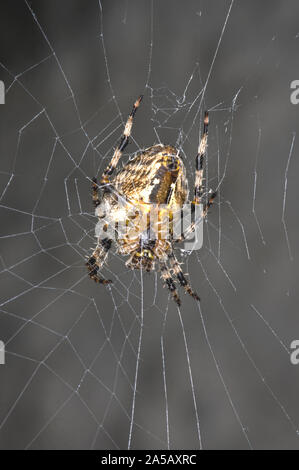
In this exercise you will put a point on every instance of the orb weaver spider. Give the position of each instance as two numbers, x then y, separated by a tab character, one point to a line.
154	177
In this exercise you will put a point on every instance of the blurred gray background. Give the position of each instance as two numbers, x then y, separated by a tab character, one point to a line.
72	70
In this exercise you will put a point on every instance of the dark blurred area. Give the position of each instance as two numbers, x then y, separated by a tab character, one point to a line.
72	70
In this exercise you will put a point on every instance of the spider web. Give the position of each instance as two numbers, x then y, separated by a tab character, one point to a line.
121	366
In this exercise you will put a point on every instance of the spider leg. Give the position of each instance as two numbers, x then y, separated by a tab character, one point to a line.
169	282
97	260
95	193
122	145
198	189
191	228
199	162
179	274
116	156
207	205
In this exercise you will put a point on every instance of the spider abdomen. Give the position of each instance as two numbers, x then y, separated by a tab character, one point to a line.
155	176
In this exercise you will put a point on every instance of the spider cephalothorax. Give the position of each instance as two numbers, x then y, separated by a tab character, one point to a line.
144	193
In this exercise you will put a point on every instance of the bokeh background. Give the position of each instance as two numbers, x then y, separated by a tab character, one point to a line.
216	375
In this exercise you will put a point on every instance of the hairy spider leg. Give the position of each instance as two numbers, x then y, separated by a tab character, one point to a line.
180	276
199	161
97	260
211	197
198	187
169	282
122	145
95	193
116	156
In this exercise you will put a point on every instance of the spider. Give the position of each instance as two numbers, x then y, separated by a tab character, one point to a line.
155	177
